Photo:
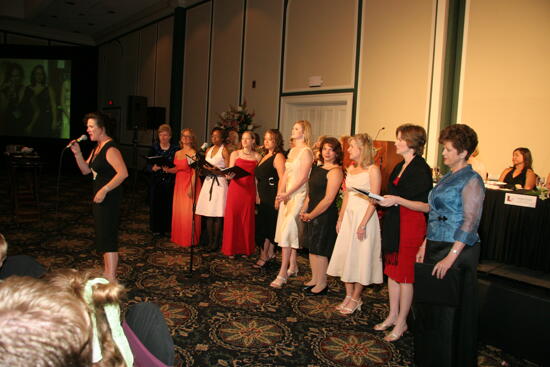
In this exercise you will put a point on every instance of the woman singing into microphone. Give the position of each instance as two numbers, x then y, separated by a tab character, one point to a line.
108	171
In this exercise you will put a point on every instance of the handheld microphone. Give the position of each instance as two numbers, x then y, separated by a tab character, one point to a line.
82	138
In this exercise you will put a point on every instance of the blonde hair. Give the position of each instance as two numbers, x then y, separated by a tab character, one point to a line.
252	136
3	248
364	141
164	128
193	138
42	325
306	126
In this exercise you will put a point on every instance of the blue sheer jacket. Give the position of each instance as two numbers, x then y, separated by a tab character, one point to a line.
456	203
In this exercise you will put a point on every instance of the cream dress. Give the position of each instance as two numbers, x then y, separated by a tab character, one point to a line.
288	221
213	194
352	260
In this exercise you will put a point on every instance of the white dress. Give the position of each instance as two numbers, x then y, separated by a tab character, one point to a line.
213	193
288	221
352	260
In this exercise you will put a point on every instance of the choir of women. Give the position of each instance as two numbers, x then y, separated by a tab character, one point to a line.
291	195
186	190
356	256
347	243
320	212
270	169
162	183
404	229
239	219
212	198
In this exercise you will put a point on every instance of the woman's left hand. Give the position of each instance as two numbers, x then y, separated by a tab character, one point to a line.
441	268
361	232
305	217
283	196
100	196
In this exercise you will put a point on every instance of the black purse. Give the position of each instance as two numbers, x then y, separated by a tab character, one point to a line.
429	289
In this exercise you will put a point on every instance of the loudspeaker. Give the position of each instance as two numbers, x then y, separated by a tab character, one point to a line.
156	116
137	112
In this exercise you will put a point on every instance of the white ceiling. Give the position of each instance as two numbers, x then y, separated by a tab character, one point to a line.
82	21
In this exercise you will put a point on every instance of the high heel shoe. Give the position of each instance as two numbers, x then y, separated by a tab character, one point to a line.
278	282
382	326
341	305
320	293
290	273
307	288
348	311
393	337
262	262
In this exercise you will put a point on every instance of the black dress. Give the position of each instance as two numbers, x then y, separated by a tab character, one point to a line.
518	180
106	213
161	192
266	219
320	234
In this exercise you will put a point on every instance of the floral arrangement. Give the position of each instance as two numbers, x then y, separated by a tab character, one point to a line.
237	117
543	193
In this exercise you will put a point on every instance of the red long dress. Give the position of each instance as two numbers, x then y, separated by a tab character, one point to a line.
412	231
239	222
183	206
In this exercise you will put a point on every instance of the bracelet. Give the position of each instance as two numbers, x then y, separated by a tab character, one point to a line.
454	251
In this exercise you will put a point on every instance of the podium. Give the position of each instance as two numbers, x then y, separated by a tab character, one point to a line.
386	158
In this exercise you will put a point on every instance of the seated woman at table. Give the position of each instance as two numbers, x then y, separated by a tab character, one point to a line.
521	173
445	335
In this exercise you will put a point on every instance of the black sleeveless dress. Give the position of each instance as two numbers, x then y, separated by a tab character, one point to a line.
106	213
266	219
320	234
518	180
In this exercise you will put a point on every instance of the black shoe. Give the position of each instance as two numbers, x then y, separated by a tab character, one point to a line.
321	293
308	288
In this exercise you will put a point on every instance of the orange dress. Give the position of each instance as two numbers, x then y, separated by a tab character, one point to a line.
182	206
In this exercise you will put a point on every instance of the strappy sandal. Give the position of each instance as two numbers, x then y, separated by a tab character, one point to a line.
278	282
341	305
348	311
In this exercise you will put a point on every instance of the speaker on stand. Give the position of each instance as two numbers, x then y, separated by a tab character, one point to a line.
137	120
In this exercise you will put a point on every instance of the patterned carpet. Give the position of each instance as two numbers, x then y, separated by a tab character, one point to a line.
224	314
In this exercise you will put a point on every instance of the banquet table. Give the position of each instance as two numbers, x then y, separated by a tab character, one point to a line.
513	234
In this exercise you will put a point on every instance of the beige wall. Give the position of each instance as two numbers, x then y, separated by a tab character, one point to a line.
195	82
506	80
225	64
395	67
262	60
320	41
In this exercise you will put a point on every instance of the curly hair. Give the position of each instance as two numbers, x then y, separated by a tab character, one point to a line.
336	147
461	136
414	135
364	141
73	282
278	137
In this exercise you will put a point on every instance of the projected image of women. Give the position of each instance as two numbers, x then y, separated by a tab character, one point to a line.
11	100
43	104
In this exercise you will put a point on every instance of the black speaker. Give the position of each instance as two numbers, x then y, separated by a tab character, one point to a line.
156	116
137	112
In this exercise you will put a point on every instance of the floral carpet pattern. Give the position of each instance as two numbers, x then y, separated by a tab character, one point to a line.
223	313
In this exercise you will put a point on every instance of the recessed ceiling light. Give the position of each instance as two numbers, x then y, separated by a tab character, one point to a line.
76	31
91	24
53	16
81	14
70	3
111	12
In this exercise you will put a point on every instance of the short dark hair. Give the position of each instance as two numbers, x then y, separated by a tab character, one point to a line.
414	135
461	136
527	157
103	121
336	147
